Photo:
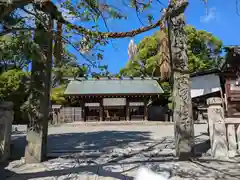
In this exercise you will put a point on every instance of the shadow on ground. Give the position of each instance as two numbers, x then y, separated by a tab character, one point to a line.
94	143
104	142
5	173
99	142
197	170
202	148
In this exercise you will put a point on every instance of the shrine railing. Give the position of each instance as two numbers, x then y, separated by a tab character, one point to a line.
233	135
224	132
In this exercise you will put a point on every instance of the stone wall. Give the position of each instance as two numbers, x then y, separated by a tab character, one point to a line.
6	119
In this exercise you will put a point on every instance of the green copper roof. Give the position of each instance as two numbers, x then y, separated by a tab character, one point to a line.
113	86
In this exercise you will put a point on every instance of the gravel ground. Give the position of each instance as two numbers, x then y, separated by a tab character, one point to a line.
116	152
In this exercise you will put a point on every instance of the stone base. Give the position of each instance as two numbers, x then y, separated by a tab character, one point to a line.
34	152
33	157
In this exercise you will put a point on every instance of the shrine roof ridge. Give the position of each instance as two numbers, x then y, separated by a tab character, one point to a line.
235	48
110	78
113	86
205	72
232	46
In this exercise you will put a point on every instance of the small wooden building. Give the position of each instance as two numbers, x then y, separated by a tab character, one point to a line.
204	84
231	74
113	98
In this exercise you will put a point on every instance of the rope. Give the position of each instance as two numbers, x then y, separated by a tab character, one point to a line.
170	11
113	35
49	7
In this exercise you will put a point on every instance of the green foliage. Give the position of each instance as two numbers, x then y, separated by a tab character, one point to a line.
67	70
57	95
90	12
166	86
15	51
102	73
145	60
204	52
13	83
14	87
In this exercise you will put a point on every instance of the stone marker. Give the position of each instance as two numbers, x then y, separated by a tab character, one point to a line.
6	119
217	129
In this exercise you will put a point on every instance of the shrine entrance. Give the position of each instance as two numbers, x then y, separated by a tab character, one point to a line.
114	99
114	113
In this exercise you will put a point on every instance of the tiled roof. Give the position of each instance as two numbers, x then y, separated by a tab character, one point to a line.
205	72
113	86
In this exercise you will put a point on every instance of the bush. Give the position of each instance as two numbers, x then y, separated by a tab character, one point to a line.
14	87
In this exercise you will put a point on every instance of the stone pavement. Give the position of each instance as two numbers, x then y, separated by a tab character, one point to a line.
105	153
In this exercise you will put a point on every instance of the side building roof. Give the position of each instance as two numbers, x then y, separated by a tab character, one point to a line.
113	86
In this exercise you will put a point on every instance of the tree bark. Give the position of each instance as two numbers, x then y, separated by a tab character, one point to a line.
58	51
182	105
39	101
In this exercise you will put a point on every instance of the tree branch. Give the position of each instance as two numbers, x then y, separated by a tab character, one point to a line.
49	7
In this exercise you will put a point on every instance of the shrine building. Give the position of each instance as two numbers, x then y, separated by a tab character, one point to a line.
231	74
109	98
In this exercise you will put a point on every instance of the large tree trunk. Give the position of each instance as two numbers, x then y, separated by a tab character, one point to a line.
182	105
58	51
39	101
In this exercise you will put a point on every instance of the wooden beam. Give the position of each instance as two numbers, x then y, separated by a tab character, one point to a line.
145	110
101	111
84	117
127	110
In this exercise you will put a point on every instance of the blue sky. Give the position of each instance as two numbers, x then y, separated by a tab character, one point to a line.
219	17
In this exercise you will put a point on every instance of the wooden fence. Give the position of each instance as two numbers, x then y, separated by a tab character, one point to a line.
67	115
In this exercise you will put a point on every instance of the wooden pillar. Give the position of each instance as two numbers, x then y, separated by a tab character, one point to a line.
127	110
145	118
84	117
101	110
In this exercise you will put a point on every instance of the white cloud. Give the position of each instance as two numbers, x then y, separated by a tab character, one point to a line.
210	15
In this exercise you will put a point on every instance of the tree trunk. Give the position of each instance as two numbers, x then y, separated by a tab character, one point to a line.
58	50
39	101
182	105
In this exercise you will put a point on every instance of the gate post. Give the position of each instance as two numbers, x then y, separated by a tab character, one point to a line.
217	129
6	119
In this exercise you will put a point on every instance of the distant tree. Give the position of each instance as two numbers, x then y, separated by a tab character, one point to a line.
57	95
103	71
15	51
204	51
14	86
132	49
145	59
